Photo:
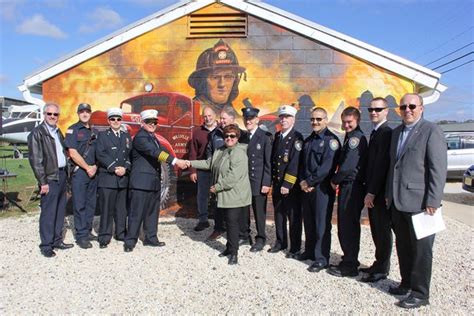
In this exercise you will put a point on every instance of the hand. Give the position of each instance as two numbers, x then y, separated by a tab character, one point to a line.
212	189
188	163
44	189
334	186
430	210
181	164
386	202
120	171
91	170
194	177
265	189
309	189
369	200
304	185
284	191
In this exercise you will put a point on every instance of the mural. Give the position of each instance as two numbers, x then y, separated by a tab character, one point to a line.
270	67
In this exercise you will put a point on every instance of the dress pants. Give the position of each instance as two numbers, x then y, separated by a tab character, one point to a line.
84	197
53	209
144	208
288	208
259	207
350	204
415	257
233	219
317	214
203	185
380	219
113	208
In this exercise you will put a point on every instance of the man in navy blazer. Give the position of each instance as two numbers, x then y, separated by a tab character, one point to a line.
415	183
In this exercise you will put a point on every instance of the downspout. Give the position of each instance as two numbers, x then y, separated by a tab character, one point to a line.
432	95
28	97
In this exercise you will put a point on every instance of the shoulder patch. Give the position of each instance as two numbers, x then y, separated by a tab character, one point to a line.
298	145
333	144
353	142
70	131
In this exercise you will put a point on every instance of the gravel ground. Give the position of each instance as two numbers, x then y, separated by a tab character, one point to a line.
187	277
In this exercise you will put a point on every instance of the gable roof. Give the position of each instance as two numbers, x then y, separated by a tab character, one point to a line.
428	79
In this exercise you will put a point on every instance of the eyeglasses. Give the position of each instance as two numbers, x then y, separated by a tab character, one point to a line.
52	114
378	110
319	119
152	122
115	119
403	107
230	136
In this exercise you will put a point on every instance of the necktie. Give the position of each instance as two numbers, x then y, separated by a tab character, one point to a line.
402	141
372	135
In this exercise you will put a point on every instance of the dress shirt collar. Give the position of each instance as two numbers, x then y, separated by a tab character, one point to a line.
376	127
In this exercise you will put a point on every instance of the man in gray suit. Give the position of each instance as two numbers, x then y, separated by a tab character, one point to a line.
415	182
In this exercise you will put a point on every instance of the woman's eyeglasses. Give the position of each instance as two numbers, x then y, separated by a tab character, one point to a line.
403	107
230	136
52	114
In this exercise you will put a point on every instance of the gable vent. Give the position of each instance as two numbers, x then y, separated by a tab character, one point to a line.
217	25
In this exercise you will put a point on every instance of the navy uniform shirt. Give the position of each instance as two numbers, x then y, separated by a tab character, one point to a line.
259	151
82	139
285	159
352	161
319	157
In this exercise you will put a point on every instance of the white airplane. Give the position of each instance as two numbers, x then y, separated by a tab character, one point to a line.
19	122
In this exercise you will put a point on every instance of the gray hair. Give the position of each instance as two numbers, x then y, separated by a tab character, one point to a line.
50	104
229	110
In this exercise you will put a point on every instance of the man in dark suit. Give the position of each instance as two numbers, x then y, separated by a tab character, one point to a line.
319	160
286	195
113	157
415	183
259	152
47	158
379	215
350	177
145	182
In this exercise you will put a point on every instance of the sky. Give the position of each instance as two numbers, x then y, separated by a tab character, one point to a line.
34	33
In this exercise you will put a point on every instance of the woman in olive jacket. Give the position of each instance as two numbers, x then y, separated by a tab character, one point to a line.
230	182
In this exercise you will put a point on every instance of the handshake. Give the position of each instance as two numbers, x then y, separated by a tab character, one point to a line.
183	164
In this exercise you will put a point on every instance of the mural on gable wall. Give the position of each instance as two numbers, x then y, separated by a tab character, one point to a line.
270	67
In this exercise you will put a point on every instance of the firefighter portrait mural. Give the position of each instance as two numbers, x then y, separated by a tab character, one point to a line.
168	70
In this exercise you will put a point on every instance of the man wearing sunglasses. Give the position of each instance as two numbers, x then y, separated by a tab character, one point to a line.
80	141
415	183
47	157
379	215
113	159
145	182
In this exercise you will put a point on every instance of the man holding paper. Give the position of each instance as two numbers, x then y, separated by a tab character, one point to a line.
415	182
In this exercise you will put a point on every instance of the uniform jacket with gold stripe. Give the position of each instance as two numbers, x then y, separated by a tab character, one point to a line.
285	159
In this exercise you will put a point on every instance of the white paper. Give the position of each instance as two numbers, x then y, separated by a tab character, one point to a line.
426	225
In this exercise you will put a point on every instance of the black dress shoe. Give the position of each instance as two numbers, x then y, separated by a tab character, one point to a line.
257	247
103	244
304	256
413	302
232	259
341	271
316	267
201	226
366	270
275	249
374	277
292	255
225	253
127	248
215	234
49	253
84	244
92	237
398	290
154	243
63	246
246	241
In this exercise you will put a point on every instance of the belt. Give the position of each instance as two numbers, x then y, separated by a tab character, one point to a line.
62	169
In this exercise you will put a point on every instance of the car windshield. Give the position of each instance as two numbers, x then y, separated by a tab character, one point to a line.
157	102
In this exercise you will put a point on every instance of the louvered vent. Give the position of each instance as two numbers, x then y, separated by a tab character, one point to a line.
217	25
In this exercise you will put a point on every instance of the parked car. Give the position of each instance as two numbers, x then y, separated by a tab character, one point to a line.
460	153
467	182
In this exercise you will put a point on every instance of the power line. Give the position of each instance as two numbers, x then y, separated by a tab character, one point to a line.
457	50
457	66
444	43
452	61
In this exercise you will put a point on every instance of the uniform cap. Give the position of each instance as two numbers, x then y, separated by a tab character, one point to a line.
83	106
114	112
287	110
250	112
149	114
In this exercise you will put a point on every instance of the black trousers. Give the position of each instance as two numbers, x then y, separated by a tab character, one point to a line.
144	208
113	208
259	207
317	214
53	209
415	257
84	197
288	208
380	219
233	218
350	204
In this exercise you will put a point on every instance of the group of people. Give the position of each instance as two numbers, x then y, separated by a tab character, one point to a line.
395	174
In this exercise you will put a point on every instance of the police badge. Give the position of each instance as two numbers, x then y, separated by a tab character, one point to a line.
353	142
259	146
285	157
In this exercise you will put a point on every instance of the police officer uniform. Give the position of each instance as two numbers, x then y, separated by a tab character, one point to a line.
350	177
319	161
259	152
84	188
145	185
112	151
285	159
